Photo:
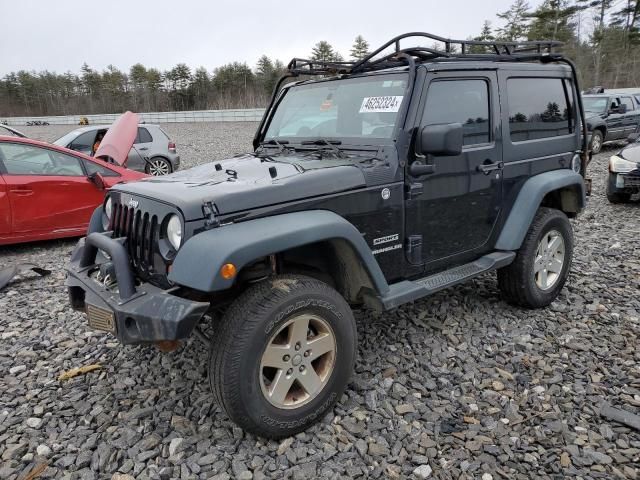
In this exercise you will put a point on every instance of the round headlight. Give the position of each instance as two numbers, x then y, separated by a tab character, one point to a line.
108	208
174	231
576	163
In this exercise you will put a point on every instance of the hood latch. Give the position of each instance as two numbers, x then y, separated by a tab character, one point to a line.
210	214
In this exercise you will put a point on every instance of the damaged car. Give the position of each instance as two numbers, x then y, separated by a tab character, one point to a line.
48	192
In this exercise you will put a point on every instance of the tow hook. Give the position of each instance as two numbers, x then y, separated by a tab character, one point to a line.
167	346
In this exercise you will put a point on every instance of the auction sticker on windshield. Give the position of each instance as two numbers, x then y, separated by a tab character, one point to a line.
389	103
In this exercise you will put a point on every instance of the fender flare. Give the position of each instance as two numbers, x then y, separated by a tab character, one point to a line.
529	200
95	224
198	262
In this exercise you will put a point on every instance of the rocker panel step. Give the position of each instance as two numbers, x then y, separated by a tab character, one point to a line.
408	291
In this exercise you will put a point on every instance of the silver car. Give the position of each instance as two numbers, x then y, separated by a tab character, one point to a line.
152	152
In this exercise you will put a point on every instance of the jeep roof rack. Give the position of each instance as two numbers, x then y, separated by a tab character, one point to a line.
443	49
498	51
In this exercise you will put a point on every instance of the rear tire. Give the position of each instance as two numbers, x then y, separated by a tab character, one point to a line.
542	263
266	371
158	166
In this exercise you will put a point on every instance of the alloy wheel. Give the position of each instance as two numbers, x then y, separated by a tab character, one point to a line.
298	361
549	260
159	167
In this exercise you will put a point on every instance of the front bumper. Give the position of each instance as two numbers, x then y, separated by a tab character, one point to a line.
140	313
624	182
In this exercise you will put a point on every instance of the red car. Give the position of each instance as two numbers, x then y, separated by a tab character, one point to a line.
49	192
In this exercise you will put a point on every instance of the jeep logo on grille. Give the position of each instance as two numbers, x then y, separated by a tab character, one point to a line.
132	203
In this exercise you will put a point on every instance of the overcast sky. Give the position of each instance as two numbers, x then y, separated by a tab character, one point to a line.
60	35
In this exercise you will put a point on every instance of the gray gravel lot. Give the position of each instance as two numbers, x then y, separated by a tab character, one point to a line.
460	385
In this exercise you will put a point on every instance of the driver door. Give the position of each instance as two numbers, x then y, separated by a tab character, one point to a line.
455	208
48	190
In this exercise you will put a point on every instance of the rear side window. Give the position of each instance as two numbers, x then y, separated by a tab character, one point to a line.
460	101
628	102
539	108
143	136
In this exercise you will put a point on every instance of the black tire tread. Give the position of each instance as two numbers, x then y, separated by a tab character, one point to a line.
513	279
231	332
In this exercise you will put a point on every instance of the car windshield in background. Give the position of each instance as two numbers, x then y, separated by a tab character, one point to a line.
364	107
595	104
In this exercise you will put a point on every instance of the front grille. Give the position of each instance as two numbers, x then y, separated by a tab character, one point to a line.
141	230
632	181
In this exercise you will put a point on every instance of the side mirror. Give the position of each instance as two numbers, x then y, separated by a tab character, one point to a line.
97	180
622	108
444	140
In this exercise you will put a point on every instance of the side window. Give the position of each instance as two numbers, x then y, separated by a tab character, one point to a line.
65	165
538	108
93	167
628	102
143	136
460	101
83	142
30	160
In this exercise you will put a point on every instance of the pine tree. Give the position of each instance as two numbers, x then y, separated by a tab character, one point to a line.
324	52
360	48
516	22
486	35
554	20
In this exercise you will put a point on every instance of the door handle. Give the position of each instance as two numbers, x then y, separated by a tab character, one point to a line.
143	148
489	166
24	191
417	169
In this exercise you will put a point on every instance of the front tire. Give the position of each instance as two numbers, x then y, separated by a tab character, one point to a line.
542	263
597	139
282	355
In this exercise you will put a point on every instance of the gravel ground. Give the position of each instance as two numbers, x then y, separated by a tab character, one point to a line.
460	385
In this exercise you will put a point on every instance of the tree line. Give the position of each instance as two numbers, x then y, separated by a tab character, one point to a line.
602	36
142	89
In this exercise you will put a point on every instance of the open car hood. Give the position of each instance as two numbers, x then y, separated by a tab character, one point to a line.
117	142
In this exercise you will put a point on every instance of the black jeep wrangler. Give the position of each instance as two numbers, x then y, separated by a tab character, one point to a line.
372	183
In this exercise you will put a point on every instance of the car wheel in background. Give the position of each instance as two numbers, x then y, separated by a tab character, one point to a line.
596	141
158	166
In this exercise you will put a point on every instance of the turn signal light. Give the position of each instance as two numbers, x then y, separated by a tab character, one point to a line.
228	271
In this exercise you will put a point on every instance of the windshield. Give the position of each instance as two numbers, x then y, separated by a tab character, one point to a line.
595	104
66	139
365	107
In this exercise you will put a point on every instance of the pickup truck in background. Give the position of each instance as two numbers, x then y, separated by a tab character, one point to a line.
610	116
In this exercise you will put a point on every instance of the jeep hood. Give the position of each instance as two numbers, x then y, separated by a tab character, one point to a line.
247	181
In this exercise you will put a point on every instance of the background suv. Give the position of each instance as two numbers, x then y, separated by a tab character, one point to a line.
610	116
152	152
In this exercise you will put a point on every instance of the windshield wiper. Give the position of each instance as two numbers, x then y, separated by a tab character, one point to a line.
279	143
326	142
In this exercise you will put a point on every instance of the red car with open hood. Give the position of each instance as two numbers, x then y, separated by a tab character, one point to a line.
50	192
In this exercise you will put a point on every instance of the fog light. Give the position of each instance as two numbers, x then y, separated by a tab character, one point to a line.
228	271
